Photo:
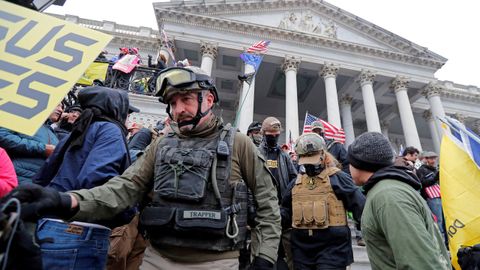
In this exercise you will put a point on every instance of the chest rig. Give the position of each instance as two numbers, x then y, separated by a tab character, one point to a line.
195	204
314	204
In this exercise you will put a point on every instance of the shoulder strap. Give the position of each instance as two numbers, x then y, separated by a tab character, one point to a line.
329	172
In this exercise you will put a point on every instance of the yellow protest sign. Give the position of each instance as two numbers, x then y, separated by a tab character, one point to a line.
41	58
96	71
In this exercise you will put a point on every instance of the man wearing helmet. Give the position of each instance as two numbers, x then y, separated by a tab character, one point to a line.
199	174
333	147
315	208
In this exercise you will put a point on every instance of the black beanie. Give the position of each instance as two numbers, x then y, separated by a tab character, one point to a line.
370	151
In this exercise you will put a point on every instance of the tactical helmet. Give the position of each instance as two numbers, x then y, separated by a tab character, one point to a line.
183	79
271	124
255	125
310	148
317	124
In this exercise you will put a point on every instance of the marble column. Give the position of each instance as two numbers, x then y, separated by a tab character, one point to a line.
366	79
432	93
209	54
347	120
427	114
290	67
410	132
384	125
329	74
247	99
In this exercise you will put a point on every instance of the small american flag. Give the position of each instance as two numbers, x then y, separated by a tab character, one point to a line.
331	131
260	47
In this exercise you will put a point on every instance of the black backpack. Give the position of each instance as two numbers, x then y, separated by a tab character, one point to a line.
469	257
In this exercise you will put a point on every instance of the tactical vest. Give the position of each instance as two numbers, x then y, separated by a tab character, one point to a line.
314	204
195	204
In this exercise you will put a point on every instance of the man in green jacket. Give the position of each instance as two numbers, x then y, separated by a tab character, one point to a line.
397	225
198	174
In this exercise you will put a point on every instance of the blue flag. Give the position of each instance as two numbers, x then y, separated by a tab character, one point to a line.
252	59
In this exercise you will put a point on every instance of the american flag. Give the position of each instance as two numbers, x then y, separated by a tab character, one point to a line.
260	47
331	131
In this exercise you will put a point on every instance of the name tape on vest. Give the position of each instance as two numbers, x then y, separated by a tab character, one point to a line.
202	214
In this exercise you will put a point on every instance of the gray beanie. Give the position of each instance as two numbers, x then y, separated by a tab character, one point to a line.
370	151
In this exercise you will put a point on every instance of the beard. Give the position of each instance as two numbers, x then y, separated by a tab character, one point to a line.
183	117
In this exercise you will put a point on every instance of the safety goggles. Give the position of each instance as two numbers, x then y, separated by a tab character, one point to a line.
175	77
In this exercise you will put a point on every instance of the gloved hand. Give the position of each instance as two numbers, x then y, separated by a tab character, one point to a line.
38	201
260	263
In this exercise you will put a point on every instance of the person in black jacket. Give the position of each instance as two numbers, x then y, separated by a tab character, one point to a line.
429	177
315	207
333	147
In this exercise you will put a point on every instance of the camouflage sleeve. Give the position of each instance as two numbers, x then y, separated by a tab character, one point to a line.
248	163
120	192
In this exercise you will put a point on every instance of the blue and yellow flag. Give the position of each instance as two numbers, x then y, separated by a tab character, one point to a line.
460	186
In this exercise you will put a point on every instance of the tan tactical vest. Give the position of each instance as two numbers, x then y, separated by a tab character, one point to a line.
314	204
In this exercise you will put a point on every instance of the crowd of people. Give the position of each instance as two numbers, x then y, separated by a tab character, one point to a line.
194	193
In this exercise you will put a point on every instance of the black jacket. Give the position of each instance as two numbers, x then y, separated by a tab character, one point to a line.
428	176
400	173
339	153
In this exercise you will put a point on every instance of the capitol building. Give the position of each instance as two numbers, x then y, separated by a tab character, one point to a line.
322	60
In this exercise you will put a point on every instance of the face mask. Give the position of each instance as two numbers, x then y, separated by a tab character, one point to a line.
256	138
313	169
271	140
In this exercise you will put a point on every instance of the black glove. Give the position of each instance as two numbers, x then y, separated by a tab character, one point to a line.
38	202
260	263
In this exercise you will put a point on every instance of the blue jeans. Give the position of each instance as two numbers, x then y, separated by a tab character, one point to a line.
435	206
72	245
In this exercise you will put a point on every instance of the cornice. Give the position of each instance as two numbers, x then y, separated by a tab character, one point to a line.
346	18
274	33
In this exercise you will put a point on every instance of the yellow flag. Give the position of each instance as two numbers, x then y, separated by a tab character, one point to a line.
460	187
96	70
41	58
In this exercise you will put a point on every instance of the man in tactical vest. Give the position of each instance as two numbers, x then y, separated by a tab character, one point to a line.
199	174
283	170
315	208
333	147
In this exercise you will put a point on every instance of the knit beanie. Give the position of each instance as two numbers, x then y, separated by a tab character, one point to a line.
370	151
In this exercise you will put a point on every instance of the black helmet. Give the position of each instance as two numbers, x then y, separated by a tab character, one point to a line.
255	125
178	79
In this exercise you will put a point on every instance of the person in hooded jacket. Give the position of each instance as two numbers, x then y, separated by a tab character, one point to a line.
66	124
397	225
95	151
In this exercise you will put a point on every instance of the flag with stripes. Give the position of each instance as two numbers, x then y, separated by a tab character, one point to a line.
260	47
331	131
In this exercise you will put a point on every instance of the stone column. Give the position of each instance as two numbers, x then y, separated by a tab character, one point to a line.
384	125
432	93
400	85
366	79
290	67
329	74
247	99
427	114
209	54
347	120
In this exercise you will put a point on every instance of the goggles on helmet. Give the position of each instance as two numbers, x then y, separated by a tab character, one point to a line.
182	79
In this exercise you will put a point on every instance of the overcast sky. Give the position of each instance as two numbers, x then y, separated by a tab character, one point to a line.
448	28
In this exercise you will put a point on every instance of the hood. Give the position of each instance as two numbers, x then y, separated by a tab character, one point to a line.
112	102
399	173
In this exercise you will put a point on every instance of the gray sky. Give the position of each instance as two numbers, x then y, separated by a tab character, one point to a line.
448	28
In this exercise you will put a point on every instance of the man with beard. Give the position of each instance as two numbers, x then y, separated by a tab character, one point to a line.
198	174
397	225
283	171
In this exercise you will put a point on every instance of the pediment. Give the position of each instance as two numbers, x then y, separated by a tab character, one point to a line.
309	20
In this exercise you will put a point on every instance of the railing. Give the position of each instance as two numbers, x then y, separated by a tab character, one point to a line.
140	80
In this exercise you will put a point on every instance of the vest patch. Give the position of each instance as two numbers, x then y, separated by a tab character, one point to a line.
202	214
272	163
